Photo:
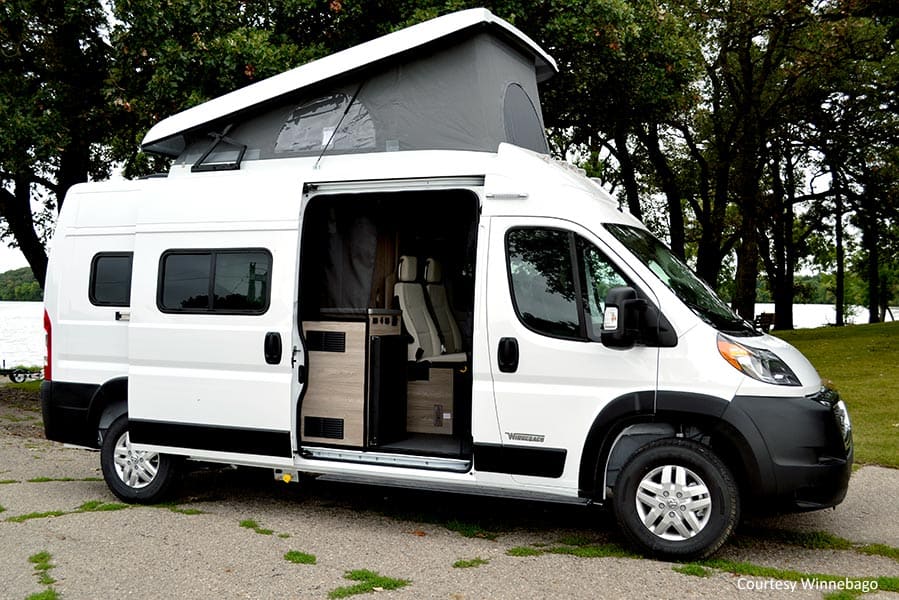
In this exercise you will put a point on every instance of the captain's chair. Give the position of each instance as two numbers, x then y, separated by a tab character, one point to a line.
425	344
446	321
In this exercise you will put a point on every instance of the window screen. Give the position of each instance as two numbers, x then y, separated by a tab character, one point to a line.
521	120
222	281
110	283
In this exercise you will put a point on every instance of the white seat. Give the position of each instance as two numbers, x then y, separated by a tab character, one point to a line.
425	344
446	320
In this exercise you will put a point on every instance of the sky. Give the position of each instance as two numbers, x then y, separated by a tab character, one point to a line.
11	258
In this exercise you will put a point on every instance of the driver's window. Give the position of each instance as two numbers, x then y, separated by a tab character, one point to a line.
599	276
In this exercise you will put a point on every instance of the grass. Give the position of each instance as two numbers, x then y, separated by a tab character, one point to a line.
300	558
42	566
7	481
693	570
32	385
815	540
369	581
47	594
251	524
470	563
90	506
857	359
581	546
879	550
171	506
469	530
523	551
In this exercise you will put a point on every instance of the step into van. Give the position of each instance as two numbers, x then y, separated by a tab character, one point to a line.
369	268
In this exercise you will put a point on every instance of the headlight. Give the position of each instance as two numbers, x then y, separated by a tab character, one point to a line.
758	363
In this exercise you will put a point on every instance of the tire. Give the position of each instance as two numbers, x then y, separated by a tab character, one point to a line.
133	476
661	523
17	376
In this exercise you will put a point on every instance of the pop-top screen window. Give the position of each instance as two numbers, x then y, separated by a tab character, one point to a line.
110	283
220	281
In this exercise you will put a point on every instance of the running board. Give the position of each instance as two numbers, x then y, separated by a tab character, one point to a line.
432	463
459	488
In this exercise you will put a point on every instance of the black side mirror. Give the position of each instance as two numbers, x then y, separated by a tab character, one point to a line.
622	316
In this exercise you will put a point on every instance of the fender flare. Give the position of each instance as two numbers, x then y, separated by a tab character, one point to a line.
737	439
109	402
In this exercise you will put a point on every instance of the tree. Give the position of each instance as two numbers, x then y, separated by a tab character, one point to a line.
52	112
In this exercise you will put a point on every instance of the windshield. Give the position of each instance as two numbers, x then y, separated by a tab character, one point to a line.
691	290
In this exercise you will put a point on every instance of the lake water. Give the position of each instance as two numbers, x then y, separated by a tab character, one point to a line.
22	333
22	327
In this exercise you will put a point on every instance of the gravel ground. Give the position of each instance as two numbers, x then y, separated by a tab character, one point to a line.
153	552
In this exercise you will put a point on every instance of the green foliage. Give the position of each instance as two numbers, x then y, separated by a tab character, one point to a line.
20	285
300	558
470	563
369	581
470	530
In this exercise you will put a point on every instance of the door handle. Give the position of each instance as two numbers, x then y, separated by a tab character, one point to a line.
272	348
507	355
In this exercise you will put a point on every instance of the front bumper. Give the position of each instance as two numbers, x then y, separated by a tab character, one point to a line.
802	448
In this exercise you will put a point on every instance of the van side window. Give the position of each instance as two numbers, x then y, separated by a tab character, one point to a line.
559	282
215	281
110	282
543	283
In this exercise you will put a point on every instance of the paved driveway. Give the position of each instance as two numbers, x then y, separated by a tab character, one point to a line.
203	551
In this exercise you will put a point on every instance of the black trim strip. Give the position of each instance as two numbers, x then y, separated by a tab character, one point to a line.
208	437
519	460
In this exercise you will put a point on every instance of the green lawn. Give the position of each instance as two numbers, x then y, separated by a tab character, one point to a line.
862	362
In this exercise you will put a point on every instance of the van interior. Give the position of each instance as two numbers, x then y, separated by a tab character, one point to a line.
386	302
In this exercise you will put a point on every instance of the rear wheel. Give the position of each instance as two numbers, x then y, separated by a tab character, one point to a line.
18	376
676	499
134	475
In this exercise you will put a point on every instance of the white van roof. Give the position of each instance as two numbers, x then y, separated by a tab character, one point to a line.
341	63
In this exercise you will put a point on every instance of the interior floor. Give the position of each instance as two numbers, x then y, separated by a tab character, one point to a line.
427	443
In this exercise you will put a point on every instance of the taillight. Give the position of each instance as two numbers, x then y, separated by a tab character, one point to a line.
48	337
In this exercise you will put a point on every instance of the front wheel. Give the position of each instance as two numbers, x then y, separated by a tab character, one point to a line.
133	475
676	499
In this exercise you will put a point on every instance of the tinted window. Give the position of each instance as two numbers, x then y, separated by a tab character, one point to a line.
110	283
241	280
227	281
542	279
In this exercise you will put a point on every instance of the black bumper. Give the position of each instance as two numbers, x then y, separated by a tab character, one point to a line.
66	409
801	449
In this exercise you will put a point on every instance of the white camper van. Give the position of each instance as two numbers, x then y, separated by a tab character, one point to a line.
370	268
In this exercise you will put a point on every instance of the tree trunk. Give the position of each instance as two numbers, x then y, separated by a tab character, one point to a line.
15	208
628	172
839	292
650	139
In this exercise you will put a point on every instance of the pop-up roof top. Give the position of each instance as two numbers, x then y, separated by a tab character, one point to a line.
464	81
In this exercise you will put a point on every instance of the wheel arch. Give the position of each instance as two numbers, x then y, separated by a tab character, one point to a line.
633	420
109	402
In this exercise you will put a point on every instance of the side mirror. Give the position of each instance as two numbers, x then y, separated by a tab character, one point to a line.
621	319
